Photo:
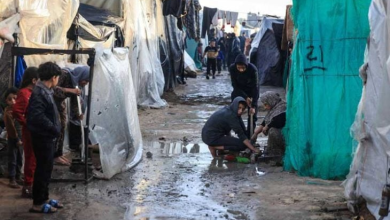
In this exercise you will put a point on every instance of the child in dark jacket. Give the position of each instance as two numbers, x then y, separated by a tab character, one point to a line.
44	124
220	59
15	147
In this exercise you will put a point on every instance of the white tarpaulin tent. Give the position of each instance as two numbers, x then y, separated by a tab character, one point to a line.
123	79
369	170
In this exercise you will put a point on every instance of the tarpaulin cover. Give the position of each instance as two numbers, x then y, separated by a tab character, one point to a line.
266	53
114	115
369	170
324	86
142	39
7	28
44	24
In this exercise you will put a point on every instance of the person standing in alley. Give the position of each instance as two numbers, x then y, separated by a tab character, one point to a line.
212	52
220	59
19	111
242	42
15	146
245	84
222	47
45	127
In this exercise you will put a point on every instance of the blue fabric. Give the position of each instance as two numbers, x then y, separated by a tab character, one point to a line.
19	70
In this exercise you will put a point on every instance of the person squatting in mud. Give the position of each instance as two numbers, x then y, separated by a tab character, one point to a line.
216	131
273	123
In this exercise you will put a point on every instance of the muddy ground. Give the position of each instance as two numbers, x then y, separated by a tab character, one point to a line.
182	181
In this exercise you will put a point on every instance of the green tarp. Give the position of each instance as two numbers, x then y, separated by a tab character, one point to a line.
324	85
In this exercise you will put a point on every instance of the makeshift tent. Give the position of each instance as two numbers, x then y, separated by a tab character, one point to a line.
369	170
266	52
119	138
324	86
142	38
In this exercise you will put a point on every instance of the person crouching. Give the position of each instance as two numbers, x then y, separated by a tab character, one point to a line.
44	124
216	131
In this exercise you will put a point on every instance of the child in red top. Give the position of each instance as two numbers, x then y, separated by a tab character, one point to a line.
30	77
15	151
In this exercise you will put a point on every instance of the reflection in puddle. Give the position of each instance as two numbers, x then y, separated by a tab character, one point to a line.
259	172
170	149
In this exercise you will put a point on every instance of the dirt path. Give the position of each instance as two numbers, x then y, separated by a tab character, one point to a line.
182	181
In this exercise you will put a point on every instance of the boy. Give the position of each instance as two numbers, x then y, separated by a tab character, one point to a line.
212	54
15	151
220	59
44	125
216	131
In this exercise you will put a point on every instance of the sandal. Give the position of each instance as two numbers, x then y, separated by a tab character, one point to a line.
46	209
56	204
58	161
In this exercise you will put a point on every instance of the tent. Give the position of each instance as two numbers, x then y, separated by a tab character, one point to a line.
266	52
125	78
369	170
324	86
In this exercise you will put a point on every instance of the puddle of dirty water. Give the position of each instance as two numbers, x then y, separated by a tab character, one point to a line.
171	149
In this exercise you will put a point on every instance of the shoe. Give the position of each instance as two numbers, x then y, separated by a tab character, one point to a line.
213	77
19	180
13	184
27	192
207	77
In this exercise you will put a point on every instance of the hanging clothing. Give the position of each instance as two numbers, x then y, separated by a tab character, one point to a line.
19	70
173	7
234	17
208	15
189	20
215	19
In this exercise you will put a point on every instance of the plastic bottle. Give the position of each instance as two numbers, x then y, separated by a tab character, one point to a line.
384	208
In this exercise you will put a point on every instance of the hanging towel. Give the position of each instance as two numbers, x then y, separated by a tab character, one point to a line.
208	15
234	17
228	17
215	19
19	70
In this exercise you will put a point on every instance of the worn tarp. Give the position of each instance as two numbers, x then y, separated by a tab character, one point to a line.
324	86
369	170
266	52
44	24
119	138
142	39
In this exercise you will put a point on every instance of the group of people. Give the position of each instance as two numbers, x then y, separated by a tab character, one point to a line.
221	53
216	133
35	118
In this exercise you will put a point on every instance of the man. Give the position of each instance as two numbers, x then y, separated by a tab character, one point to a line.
222	47
45	127
216	131
212	53
245	84
242	41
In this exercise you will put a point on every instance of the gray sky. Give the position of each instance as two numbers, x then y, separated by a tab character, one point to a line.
272	7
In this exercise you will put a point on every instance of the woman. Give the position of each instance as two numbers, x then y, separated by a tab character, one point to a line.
273	123
19	111
66	87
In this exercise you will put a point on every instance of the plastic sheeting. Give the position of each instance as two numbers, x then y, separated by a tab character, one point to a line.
114	115
141	38
44	24
7	28
324	86
189	64
368	173
266	52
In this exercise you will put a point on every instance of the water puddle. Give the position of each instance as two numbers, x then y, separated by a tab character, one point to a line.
171	149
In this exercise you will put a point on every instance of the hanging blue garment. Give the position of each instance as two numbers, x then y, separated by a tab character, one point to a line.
19	70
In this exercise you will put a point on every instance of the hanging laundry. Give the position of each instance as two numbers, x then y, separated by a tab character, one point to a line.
222	15
191	20
215	19
19	70
234	17
176	8
228	17
208	14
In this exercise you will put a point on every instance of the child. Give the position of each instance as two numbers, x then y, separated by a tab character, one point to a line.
15	152
220	59
30	77
44	124
216	131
